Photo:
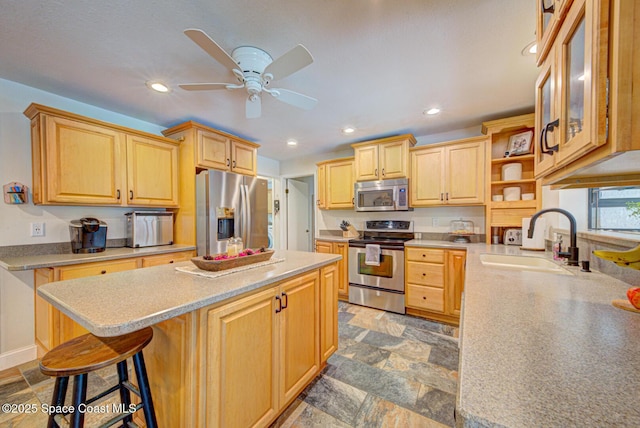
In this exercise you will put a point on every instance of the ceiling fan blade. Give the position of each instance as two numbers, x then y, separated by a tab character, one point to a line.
295	99
204	86
211	47
292	61
253	106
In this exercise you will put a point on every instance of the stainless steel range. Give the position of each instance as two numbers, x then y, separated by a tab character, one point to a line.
376	278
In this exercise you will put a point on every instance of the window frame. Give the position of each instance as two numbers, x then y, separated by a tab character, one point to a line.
594	202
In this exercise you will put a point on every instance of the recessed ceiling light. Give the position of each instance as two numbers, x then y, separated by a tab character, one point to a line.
348	130
431	111
157	86
292	143
530	49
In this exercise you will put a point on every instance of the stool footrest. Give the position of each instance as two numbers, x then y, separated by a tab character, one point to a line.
131	387
120	417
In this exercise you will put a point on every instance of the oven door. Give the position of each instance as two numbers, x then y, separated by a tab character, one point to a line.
388	276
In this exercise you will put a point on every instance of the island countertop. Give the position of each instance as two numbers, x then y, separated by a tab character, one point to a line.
122	302
541	349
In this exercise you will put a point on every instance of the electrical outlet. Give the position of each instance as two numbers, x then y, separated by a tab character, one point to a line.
435	222
37	229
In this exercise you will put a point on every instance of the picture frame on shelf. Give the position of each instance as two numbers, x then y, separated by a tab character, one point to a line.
519	144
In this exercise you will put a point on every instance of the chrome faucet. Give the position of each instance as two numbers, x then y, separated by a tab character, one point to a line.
572	254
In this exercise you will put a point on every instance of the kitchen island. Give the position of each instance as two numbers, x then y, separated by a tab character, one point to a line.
231	350
542	349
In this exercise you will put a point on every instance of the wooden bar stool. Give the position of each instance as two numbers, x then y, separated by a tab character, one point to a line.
88	353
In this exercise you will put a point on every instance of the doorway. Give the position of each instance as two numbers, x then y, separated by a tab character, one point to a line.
300	213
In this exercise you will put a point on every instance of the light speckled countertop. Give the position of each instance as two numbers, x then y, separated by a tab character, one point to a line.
332	238
52	260
122	302
544	350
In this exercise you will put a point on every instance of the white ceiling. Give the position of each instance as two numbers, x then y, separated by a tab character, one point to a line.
378	63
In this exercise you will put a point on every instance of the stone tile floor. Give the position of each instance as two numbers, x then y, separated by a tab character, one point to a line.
390	371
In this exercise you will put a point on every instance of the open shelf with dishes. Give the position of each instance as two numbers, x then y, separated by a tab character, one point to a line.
513	191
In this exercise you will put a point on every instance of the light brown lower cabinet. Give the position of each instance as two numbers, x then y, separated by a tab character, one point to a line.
260	352
342	248
53	327
434	282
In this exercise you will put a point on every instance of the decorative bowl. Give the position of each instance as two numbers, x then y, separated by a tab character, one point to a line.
216	265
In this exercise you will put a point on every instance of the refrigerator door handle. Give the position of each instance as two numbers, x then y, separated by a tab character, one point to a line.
241	214
247	217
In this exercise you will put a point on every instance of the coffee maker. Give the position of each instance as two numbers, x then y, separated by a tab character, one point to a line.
88	235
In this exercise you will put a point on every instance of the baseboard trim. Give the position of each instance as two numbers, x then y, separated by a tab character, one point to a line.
18	356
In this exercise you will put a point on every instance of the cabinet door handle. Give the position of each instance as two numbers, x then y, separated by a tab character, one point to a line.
353	201
383	172
549	128
103	272
234	164
446	196
228	161
131	194
549	9
375	172
286	300
118	194
279	309
442	196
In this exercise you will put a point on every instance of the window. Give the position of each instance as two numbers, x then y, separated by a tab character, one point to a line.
614	208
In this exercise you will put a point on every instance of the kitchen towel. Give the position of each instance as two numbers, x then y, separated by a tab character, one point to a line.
372	255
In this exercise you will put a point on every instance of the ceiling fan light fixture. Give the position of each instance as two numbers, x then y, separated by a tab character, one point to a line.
348	130
158	86
292	143
430	112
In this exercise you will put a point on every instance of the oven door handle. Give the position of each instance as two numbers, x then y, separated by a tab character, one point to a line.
382	247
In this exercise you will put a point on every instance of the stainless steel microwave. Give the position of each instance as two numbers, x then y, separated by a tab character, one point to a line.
383	195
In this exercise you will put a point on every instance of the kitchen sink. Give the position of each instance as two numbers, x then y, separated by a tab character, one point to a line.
522	263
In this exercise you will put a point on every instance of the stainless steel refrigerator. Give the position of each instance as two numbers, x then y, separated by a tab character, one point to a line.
230	205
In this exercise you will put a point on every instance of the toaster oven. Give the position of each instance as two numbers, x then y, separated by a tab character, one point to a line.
149	228
512	236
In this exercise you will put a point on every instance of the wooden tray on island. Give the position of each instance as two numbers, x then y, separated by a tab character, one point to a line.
216	265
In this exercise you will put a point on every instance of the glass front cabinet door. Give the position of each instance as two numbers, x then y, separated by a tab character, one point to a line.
571	91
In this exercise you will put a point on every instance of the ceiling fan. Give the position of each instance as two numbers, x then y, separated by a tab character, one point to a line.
255	70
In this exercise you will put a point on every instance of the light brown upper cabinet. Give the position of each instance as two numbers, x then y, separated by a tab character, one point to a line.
588	97
202	147
211	148
383	159
82	161
448	173
335	184
549	17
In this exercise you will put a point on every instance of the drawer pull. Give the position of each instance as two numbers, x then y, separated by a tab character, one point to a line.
170	261
424	274
424	298
424	255
103	272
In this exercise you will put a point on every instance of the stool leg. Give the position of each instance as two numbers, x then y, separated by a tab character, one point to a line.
125	395
59	392
145	392
79	397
